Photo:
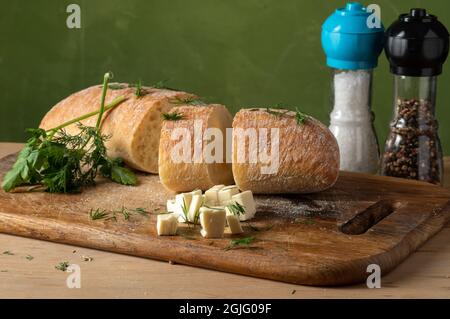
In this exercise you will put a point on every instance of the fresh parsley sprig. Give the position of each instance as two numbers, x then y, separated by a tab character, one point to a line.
64	163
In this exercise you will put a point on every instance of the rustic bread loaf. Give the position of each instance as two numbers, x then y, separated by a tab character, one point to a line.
194	171
308	158
134	126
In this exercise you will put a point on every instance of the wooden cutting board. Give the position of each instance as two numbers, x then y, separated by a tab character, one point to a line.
320	239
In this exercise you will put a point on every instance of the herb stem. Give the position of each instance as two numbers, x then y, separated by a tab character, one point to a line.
106	78
110	106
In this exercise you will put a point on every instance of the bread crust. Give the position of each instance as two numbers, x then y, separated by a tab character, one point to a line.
183	176
133	127
308	154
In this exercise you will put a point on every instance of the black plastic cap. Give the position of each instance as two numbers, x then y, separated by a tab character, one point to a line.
417	44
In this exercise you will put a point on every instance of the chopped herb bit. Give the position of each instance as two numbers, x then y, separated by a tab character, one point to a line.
3	271
7	252
116	86
189	101
29	257
98	214
62	266
185	210
141	211
240	242
174	116
125	213
138	91
300	117
236	209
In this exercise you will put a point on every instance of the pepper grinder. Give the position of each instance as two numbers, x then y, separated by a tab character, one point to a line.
352	45
417	46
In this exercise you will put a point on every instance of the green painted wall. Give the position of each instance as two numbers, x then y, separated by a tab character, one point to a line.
238	52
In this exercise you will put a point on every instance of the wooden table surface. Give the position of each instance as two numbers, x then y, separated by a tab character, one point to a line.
425	274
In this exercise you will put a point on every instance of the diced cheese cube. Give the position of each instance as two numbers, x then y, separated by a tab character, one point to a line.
167	224
180	200
212	222
171	206
196	192
246	200
194	208
234	224
212	195
226	193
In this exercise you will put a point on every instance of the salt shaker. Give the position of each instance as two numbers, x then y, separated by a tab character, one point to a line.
417	46
352	39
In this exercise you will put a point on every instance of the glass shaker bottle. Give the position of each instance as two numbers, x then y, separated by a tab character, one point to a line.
417	46
352	42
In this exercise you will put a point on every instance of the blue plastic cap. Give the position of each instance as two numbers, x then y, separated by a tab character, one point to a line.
352	38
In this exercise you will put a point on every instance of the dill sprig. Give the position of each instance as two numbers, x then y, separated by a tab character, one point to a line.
188	101
276	110
236	209
138	90
62	266
240	242
174	116
98	214
300	117
126	213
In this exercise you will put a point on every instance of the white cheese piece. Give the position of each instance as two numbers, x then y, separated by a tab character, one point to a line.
194	207
196	192
246	200
171	206
226	193
234	224
167	224
212	222
212	195
180	200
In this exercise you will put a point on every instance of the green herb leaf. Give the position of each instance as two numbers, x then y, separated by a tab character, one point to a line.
174	116
138	91
300	117
123	175
236	209
29	257
189	101
240	242
62	266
